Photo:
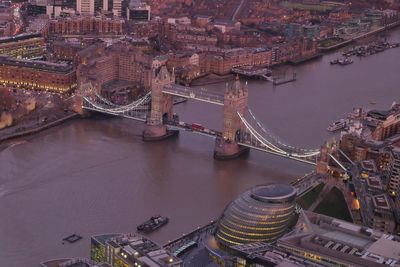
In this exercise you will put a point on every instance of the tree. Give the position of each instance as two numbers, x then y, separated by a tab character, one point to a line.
7	101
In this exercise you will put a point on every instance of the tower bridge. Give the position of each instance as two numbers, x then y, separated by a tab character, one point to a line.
241	129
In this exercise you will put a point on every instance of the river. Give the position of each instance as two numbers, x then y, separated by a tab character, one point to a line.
92	176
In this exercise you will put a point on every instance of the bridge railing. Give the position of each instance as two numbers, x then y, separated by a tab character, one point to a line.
137	110
255	135
189	127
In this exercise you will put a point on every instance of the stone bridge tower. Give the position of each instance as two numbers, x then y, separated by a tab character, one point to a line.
235	100
161	106
324	160
76	102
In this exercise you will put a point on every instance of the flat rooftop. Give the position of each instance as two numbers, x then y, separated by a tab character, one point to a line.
381	201
20	37
35	64
368	165
133	248
342	242
374	181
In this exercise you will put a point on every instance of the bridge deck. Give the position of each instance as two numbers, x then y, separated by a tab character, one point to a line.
189	127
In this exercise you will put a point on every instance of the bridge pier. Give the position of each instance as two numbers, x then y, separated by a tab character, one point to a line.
228	150
235	100
157	133
161	107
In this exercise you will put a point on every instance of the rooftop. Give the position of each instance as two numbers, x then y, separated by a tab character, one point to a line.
342	242
374	181
369	165
134	248
381	201
75	262
35	64
20	37
273	192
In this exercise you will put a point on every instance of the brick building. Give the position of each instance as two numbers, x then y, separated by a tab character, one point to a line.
121	65
37	75
23	46
85	25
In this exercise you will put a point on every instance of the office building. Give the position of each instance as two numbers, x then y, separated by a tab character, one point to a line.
130	250
332	242
85	7
138	11
261	214
394	171
23	46
117	7
37	75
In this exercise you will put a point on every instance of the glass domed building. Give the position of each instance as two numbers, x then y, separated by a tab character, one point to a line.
261	214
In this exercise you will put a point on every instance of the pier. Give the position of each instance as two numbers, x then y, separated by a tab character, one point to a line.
254	73
280	81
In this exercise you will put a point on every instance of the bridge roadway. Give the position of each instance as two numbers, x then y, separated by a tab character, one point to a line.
180	125
201	95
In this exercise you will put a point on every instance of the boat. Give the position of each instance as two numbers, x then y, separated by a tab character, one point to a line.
72	238
345	61
337	125
152	224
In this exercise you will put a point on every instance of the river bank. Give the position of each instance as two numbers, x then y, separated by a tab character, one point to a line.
346	42
36	128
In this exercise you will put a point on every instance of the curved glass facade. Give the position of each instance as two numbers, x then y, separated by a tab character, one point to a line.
261	214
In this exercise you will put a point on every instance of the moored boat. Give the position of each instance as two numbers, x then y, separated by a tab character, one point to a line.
152	224
345	61
337	125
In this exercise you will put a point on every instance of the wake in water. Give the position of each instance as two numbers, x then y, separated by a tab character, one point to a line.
11	144
17	143
3	191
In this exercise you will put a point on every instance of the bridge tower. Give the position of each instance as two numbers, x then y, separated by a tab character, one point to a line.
161	106
324	159
76	102
235	100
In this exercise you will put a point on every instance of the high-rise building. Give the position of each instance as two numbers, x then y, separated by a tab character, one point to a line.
117	7
380	214
394	171
85	7
100	5
138	11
